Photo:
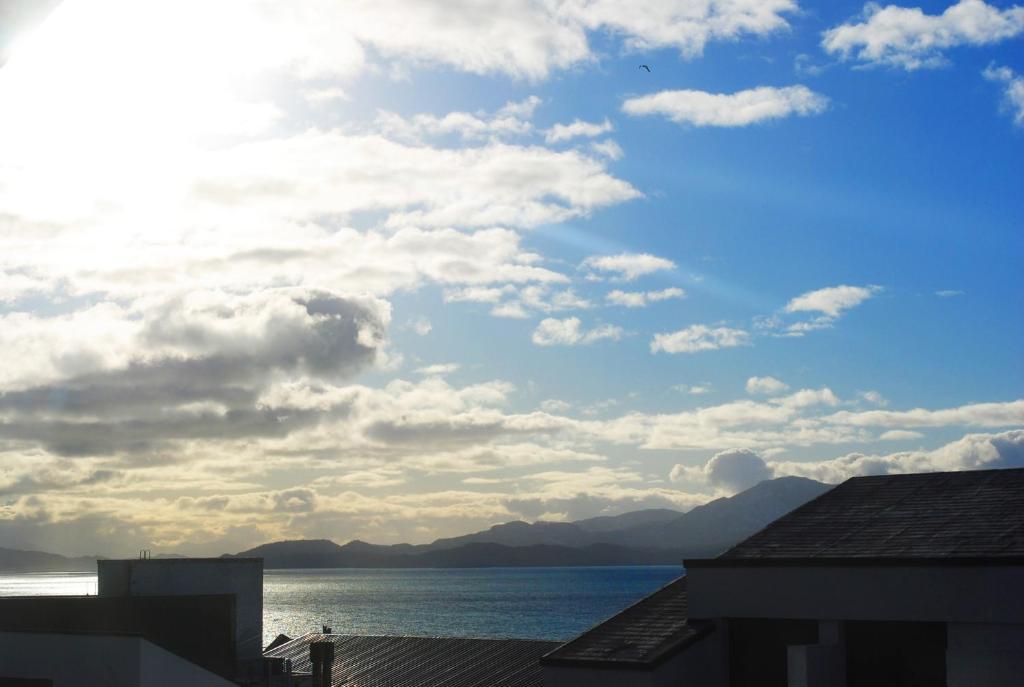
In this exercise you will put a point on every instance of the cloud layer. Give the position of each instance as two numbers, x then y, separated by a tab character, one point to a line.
1013	91
907	38
699	108
699	337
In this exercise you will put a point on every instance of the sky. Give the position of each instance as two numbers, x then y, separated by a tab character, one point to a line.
398	270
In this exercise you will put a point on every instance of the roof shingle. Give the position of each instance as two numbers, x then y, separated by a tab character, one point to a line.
642	635
380	661
952	515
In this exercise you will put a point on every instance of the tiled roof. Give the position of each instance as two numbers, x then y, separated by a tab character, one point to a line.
650	630
950	515
375	661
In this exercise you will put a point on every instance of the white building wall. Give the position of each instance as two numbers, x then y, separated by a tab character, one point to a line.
984	654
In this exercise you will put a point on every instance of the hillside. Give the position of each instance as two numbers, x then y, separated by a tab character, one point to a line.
657	536
14	560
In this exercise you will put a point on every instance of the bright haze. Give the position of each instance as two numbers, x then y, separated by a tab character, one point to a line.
403	269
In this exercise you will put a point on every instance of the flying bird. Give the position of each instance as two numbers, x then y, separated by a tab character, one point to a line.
644	66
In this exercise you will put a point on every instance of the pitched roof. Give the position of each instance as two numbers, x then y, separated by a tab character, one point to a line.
641	636
377	661
943	515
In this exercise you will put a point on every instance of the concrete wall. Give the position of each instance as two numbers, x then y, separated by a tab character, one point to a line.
943	593
990	655
97	660
242	577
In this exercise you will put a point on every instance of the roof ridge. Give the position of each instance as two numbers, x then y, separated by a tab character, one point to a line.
954	514
900	475
370	635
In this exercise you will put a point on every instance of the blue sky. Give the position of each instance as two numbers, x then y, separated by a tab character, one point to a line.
403	270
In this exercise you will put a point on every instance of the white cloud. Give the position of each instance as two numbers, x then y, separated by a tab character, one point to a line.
742	108
1013	96
899	435
599	407
629	299
803	418
806	398
488	185
765	385
736	469
666	294
684	25
948	293
518	38
628	266
521	109
512	310
1006	414
640	299
874	397
694	389
699	337
832	301
510	121
554	405
438	369
607	148
569	332
908	38
972	452
477	294
320	96
421	325
525	301
804	65
543	299
576	129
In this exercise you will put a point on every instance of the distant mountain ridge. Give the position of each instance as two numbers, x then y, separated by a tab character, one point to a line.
646	537
15	560
655	536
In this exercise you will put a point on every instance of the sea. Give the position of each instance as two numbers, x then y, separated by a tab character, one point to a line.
529	603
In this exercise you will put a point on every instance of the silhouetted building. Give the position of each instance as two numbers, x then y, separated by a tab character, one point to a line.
889	580
239	577
155	622
63	659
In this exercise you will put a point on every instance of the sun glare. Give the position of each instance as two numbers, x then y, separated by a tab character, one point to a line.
118	95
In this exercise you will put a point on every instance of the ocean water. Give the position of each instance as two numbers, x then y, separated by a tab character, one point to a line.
537	603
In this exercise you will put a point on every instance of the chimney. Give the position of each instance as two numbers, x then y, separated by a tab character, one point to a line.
321	655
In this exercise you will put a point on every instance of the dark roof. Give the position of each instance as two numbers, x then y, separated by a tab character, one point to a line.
641	636
373	661
975	515
277	641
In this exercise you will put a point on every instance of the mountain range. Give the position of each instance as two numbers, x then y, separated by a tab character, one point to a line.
645	537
